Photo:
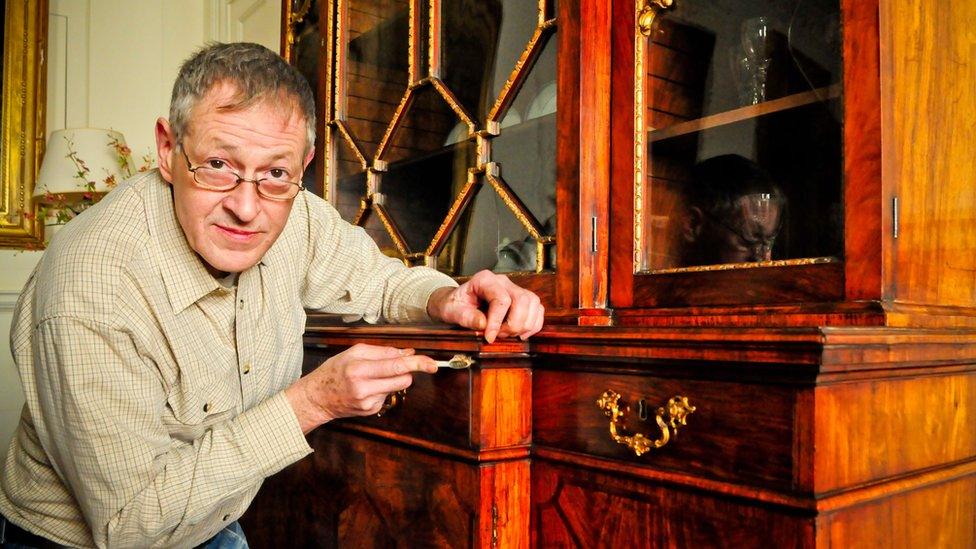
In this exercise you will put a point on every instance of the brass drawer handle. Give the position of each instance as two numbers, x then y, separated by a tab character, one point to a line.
392	400
677	412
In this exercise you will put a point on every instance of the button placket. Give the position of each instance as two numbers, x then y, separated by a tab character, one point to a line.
243	331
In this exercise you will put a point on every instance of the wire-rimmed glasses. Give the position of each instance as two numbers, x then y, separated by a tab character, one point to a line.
224	179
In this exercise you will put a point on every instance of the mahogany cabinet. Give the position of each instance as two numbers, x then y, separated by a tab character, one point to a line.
753	225
444	465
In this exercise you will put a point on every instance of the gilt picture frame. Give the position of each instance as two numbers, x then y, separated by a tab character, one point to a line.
23	114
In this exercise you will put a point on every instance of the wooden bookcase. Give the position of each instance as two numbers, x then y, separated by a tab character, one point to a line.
833	383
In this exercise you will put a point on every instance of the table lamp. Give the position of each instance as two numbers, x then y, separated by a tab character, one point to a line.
80	165
69	150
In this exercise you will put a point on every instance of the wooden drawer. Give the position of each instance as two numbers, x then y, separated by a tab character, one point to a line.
739	432
466	413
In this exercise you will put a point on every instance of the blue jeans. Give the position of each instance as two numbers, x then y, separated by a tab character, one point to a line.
231	537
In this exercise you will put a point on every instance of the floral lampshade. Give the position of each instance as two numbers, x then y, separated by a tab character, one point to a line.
82	162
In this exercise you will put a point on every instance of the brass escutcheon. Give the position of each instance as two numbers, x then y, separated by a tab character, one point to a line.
668	419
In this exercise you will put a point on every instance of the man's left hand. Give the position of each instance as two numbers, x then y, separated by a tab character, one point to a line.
512	310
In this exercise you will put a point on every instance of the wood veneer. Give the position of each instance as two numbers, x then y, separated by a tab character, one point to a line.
928	68
835	401
803	430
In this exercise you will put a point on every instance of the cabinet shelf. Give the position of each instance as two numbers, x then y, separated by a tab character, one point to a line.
745	113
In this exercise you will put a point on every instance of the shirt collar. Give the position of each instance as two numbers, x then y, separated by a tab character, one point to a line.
185	277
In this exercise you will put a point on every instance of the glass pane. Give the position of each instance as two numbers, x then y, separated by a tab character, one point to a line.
428	126
526	147
419	192
428	162
488	236
742	134
350	191
481	41
376	67
375	229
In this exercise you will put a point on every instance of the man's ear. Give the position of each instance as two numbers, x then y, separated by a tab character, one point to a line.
691	225
308	158
165	147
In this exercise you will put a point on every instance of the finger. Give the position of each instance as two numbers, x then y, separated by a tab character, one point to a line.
384	389
522	306
387	368
471	317
535	324
493	289
370	389
498	304
376	352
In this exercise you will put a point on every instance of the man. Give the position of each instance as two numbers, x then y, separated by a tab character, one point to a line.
733	213
159	340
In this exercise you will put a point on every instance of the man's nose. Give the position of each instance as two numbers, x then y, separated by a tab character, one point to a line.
244	201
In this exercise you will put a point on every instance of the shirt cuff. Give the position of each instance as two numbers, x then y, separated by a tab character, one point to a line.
416	309
272	435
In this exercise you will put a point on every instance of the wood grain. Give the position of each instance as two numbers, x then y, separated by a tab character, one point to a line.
503	517
622	160
568	157
354	492
836	402
745	113
766	285
739	432
928	73
574	507
865	212
877	429
502	408
594	166
936	516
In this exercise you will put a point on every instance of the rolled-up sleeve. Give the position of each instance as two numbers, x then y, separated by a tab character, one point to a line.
98	416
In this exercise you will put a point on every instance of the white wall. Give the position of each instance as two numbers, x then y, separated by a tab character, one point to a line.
111	64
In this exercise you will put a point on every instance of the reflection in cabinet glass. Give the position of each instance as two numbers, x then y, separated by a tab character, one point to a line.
738	136
440	138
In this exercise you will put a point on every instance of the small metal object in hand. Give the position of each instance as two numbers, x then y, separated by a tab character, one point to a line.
457	362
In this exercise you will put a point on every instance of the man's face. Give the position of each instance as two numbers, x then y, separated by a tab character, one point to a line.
746	234
232	230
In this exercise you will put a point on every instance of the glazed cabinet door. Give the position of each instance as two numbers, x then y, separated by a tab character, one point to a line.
742	148
438	130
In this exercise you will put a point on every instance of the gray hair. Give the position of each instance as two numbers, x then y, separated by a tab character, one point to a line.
257	73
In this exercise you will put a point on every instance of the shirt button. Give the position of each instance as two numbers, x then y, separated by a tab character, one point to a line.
247	368
242	304
206	407
225	518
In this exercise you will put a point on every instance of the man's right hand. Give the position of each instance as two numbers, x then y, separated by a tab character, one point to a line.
355	382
